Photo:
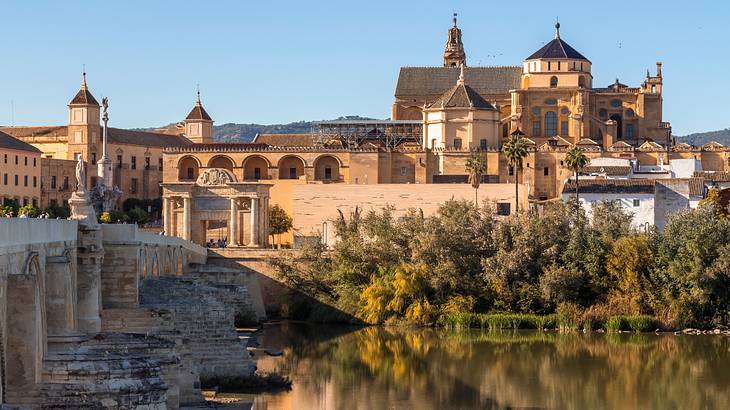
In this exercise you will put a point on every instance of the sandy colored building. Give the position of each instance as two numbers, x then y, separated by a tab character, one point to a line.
136	155
20	171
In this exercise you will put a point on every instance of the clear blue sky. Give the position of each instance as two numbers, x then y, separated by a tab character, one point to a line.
282	61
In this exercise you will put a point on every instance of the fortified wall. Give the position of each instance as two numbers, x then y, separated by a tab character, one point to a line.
105	316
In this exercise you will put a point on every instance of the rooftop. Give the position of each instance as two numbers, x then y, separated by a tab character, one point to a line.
434	81
8	142
611	186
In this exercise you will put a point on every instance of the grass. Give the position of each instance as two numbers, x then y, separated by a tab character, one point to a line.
499	321
514	321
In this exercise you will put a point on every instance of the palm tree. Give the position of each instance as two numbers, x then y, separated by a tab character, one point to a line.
476	168
515	149
576	159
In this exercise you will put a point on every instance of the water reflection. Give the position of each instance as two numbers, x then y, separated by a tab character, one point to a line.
388	368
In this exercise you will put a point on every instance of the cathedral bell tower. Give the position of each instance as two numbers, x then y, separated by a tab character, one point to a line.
454	55
198	124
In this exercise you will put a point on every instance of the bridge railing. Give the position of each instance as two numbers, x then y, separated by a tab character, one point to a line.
28	231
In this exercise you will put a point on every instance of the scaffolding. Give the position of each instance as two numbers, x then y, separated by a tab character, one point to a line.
361	133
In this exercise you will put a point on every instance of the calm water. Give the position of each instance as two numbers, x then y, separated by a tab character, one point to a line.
384	368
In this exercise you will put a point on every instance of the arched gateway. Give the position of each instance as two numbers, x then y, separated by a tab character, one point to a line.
217	206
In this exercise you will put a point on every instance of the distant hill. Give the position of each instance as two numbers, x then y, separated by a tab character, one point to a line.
245	132
702	138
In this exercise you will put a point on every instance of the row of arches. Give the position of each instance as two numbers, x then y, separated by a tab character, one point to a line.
326	167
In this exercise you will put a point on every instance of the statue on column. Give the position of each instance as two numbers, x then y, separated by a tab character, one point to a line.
81	208
104	195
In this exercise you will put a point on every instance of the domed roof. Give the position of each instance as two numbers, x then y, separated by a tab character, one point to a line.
557	49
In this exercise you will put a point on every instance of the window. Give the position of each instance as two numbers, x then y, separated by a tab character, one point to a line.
257	173
402	171
629	130
551	101
551	123
16	160
5	179
565	111
581	82
54	202
558	65
53	182
26	161
327	173
65	183
191	173
34	161
483	143
35	181
511	170
16	179
615	103
536	128
35	203
93	181
457	143
564	128
6	158
25	201
119	162
134	162
133	185
536	111
546	171
637	202
292	173
504	208
159	166
549	65
553	82
603	113
629	113
93	158
147	163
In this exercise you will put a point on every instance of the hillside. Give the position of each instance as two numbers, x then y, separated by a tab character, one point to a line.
245	132
701	138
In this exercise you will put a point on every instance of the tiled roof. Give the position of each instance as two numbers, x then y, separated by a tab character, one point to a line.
130	137
721	176
8	142
557	49
285	140
22	132
611	186
84	97
462	96
434	81
611	170
696	187
198	113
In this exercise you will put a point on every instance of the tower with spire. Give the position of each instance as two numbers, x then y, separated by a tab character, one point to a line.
198	124
83	124
454	55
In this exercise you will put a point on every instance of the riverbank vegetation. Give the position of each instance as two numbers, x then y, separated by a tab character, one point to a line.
556	267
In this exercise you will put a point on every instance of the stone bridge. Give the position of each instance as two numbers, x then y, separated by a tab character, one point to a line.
73	328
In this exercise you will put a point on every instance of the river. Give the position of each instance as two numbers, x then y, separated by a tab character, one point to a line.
335	367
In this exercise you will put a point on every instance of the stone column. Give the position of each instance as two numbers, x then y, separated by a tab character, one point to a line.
24	339
60	318
254	222
265	220
186	218
166	215
233	223
88	277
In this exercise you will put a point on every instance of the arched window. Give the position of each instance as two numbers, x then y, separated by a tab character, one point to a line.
553	82
551	123
581	82
603	113
615	103
629	113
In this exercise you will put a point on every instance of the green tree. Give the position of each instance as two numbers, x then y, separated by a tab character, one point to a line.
713	201
279	221
575	159
476	167
138	215
29	210
515	149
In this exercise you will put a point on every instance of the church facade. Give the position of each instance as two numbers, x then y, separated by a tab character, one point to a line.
455	110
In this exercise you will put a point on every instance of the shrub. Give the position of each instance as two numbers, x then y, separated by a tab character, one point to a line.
55	211
30	211
138	215
638	323
118	216
105	218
